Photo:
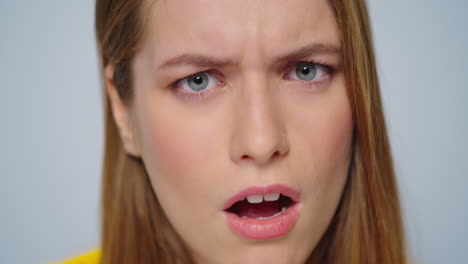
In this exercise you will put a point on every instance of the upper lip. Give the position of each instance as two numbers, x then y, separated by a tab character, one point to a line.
262	190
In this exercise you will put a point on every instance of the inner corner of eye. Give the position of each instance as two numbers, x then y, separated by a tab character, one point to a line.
222	83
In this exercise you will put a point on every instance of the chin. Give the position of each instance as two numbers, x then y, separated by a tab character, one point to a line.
272	251
280	254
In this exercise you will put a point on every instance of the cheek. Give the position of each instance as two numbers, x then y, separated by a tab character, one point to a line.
172	149
323	129
333	140
325	132
175	151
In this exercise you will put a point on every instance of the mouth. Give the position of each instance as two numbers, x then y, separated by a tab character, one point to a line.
263	212
261	207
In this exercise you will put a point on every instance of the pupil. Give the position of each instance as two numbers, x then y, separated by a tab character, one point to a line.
305	70
198	80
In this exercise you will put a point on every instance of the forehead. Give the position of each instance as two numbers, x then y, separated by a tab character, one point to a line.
237	28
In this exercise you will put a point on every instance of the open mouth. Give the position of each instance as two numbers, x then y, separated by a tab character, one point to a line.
261	207
263	212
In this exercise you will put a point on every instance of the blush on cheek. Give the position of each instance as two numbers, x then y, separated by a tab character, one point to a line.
337	128
169	153
170	158
331	142
342	131
176	153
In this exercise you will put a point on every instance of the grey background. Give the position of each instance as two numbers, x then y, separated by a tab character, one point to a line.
51	125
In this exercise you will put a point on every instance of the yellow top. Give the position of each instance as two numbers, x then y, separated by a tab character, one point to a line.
88	258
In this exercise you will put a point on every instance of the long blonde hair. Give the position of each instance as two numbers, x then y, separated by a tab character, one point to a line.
367	226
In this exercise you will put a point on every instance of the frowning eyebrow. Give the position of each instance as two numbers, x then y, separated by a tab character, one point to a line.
200	60
314	49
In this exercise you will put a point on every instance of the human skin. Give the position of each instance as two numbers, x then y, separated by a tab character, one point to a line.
257	124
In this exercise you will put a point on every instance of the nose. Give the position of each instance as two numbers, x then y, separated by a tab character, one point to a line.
259	134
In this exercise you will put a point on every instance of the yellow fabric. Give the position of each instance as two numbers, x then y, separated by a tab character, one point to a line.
89	258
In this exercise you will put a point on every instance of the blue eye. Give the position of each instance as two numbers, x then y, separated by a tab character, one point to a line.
198	81
306	71
309	72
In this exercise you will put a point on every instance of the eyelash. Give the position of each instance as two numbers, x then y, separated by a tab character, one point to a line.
193	96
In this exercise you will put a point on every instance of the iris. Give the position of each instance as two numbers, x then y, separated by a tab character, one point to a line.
306	71
198	81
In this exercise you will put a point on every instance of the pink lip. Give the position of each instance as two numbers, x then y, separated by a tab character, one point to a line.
258	229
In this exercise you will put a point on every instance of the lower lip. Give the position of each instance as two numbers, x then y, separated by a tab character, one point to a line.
257	229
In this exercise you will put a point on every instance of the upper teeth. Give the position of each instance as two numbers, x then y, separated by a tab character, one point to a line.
259	198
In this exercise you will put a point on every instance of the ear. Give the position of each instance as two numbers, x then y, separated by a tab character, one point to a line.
121	114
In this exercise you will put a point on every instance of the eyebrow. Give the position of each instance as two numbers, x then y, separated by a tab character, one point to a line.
313	49
200	60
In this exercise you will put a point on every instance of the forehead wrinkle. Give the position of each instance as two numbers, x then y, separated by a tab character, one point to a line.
206	40
319	30
306	22
254	39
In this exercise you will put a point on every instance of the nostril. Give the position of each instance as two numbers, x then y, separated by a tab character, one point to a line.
275	155
245	157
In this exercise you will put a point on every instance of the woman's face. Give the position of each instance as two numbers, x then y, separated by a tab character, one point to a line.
235	99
